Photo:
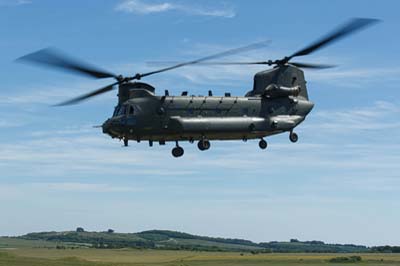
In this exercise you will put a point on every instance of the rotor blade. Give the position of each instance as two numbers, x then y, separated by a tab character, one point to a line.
159	63
314	66
88	95
51	57
218	55
352	26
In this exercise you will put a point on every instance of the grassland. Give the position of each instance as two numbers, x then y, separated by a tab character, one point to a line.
22	252
97	257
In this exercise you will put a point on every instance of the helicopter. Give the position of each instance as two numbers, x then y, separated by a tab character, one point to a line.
277	103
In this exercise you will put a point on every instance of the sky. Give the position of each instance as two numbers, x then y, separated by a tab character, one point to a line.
340	183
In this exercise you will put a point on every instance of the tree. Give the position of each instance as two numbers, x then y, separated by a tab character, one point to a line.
110	231
80	230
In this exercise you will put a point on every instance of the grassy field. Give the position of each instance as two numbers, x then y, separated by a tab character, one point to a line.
15	252
94	257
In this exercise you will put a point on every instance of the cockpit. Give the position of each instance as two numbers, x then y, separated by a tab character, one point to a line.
126	109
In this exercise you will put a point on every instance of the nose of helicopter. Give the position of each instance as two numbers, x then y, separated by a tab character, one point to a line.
111	127
106	126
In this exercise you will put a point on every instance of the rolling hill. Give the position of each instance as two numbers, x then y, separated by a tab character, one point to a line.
172	240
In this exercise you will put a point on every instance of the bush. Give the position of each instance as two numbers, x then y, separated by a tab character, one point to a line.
350	259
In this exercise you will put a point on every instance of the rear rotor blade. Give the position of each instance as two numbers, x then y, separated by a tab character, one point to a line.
51	57
218	55
302	65
352	26
88	95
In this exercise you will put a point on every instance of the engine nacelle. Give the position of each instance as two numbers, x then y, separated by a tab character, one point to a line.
275	91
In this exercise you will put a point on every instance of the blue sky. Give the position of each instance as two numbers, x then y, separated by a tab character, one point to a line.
339	183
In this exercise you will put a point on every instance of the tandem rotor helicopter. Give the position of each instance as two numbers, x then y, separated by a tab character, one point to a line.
277	103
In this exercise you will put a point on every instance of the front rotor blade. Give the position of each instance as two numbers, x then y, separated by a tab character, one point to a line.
218	55
351	27
88	95
313	66
159	63
50	57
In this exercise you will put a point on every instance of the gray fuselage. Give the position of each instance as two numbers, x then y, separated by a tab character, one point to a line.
173	118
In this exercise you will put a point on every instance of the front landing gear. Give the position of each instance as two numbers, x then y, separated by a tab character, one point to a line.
293	137
263	144
177	151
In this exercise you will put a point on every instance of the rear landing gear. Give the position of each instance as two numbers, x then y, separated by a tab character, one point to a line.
125	142
203	145
177	151
263	144
293	137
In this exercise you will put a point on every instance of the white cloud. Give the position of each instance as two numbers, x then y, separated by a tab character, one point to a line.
133	6
356	77
82	187
48	94
14	2
140	7
10	124
380	116
11	191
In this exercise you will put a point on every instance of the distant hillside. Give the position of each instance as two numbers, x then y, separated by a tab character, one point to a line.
157	239
313	247
172	240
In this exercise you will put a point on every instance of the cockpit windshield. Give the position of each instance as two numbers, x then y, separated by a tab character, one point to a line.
120	110
116	110
124	110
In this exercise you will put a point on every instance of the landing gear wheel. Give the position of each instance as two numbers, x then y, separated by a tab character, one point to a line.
263	144
177	151
125	142
293	137
203	145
